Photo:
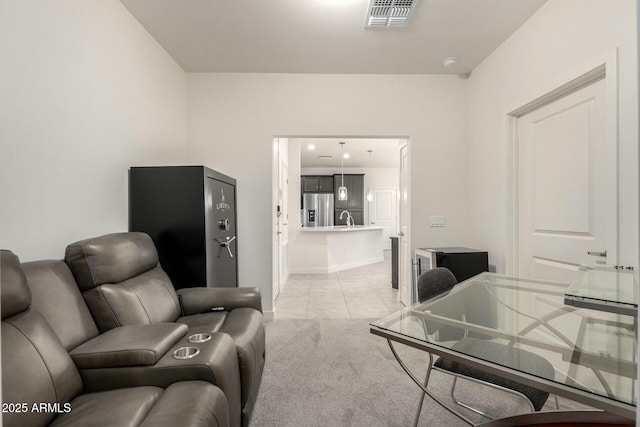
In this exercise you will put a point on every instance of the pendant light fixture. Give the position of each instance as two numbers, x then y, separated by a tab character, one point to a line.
369	193
342	191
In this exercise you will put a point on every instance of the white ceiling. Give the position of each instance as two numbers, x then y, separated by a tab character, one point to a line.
327	36
385	152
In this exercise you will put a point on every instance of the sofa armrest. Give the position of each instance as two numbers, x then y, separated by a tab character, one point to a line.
202	300
133	345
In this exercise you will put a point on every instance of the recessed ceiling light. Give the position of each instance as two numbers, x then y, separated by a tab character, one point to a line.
311	147
346	155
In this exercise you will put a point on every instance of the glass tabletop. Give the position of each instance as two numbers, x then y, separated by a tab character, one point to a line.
589	350
604	288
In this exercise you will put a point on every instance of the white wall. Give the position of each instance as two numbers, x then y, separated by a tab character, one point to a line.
85	92
232	119
552	46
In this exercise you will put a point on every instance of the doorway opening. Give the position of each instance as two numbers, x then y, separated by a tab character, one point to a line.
315	168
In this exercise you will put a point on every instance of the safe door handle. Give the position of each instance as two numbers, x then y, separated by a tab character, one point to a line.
225	244
596	253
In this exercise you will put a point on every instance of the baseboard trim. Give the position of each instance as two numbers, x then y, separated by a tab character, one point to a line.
339	267
268	316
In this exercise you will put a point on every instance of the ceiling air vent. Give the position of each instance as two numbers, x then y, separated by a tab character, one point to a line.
389	13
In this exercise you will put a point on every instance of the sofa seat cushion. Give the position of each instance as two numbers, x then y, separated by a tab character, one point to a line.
122	407
193	403
204	322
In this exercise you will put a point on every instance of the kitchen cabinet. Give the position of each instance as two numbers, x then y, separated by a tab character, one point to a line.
355	197
190	213
356	192
317	184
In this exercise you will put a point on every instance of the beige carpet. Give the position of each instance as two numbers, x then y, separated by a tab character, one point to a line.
336	373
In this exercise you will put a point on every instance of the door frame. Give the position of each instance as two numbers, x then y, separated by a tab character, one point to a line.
600	68
405	250
275	233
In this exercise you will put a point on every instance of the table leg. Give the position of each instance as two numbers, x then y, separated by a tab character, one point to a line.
423	387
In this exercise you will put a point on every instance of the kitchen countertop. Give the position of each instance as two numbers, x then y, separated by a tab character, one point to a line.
341	228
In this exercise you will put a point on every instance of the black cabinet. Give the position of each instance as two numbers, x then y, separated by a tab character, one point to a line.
355	198
309	184
356	192
190	213
317	184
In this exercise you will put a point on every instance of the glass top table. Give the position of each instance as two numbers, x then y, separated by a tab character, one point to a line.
593	352
604	288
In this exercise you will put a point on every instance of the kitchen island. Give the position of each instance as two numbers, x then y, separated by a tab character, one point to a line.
336	248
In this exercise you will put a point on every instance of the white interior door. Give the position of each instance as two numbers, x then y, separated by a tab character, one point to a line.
564	187
404	246
284	224
275	240
383	212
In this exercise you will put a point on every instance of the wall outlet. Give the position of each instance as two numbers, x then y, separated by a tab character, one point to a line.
436	221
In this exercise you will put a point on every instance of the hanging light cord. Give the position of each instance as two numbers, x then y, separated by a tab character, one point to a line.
369	194
342	162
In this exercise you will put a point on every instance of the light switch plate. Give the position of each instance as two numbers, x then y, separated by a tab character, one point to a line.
436	221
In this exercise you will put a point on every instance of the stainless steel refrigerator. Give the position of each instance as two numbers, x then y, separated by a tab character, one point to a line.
317	209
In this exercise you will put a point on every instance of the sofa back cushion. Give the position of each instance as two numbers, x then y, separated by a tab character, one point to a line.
35	367
111	258
55	295
122	281
16	296
144	299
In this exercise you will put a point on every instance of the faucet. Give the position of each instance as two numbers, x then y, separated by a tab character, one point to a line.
350	220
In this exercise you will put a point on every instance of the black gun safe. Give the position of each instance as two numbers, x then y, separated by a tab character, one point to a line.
190	213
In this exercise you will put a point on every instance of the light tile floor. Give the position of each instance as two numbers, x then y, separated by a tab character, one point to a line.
359	293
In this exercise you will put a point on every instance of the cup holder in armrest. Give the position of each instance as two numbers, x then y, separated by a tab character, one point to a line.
196	338
186	353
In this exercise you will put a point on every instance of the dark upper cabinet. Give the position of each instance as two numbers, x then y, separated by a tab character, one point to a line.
309	184
189	212
325	184
355	191
317	184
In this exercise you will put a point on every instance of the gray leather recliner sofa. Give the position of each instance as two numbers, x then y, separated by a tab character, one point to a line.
42	386
128	356
124	285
